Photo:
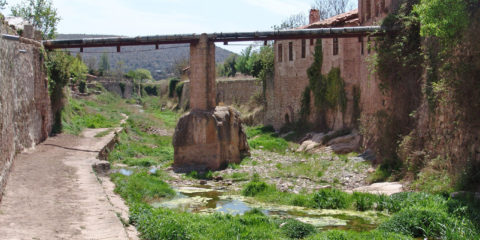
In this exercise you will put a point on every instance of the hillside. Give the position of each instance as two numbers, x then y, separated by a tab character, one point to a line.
159	62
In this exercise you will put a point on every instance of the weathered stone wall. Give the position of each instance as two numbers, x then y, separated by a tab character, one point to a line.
116	88
24	101
229	92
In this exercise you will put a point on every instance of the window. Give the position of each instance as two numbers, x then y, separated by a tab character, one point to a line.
362	46
290	51
377	8
335	46
382	6
311	42
304	48
280	52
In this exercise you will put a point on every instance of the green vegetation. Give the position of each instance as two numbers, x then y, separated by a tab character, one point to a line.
41	13
140	74
297	230
328	90
265	138
141	187
227	69
351	235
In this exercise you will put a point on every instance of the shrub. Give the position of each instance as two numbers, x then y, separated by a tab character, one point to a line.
331	199
254	187
417	223
364	201
82	86
172	84
295	229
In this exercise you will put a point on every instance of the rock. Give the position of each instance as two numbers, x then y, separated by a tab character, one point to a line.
203	182
101	167
209	140
218	178
371	170
315	140
387	188
345	144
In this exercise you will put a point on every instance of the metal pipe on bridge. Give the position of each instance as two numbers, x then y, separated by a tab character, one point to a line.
343	32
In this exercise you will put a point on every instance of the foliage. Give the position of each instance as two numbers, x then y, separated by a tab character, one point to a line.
78	114
330	8
140	74
296	229
445	19
172	84
264	138
104	65
228	68
352	235
328	91
40	13
59	70
179	90
331	199
294	21
255	187
141	187
168	224
242	61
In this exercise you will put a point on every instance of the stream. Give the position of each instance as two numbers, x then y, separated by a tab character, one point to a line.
205	199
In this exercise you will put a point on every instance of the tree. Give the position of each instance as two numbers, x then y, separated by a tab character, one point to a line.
294	21
242	61
229	65
104	64
3	3
119	70
330	8
40	13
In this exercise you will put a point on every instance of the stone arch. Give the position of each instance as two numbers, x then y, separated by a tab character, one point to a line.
289	115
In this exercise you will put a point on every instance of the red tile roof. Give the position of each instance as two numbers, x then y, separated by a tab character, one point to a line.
348	18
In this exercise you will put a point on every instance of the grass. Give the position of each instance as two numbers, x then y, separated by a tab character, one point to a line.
100	111
265	138
141	187
103	133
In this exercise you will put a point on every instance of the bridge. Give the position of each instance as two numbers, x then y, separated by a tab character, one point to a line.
209	137
202	51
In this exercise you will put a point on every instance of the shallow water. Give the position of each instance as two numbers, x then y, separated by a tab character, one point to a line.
202	199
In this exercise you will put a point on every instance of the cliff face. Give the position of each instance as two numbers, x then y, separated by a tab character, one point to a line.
24	101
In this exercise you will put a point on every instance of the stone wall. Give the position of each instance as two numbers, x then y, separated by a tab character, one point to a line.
229	92
24	101
115	87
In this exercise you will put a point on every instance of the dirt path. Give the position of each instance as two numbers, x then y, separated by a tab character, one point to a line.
52	193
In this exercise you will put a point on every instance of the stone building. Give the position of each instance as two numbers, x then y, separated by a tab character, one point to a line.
350	55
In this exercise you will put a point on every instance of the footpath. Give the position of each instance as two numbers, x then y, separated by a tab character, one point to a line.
53	193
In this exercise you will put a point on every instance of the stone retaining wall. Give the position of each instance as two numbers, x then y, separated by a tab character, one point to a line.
25	109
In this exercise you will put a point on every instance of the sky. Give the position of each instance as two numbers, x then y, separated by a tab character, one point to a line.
158	17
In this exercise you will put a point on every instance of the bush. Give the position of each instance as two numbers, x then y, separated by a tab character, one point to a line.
254	187
82	86
295	229
331	199
364	201
427	223
172	84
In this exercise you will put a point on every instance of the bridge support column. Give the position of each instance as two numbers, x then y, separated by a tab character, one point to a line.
208	137
202	75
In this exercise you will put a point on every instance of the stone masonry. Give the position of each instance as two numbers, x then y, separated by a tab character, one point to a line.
24	101
208	137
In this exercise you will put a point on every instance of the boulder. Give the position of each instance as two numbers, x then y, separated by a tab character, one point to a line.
209	140
315	140
345	144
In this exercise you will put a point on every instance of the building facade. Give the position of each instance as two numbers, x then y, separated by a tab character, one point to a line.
351	55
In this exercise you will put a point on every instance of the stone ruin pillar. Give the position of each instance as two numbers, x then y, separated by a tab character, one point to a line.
208	137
